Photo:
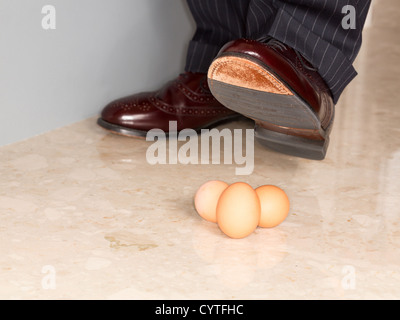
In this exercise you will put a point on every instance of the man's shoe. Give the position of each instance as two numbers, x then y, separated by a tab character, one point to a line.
186	100
274	85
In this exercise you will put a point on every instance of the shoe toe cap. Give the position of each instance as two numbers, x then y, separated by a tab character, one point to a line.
124	110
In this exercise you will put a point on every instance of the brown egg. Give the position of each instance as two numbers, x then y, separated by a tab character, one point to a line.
238	210
206	199
275	206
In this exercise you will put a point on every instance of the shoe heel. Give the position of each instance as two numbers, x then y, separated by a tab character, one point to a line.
292	145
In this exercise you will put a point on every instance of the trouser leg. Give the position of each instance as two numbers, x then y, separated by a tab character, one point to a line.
217	22
220	21
312	27
315	29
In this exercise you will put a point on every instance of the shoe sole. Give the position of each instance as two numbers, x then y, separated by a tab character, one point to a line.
284	121
122	131
134	133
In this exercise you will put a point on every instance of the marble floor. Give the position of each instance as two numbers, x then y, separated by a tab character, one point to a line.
85	216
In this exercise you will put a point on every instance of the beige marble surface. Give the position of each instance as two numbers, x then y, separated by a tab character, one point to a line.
84	216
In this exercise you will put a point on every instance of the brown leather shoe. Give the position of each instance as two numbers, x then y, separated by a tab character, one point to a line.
274	85
186	100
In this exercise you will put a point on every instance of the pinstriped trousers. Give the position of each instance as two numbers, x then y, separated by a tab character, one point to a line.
312	27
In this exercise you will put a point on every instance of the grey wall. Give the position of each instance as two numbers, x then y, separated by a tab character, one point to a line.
99	51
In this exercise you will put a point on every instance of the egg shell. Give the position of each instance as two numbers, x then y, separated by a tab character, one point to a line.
206	199
238	210
275	205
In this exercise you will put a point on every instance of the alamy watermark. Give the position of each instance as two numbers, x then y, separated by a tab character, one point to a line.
49	19
49	280
349	278
165	150
349	21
